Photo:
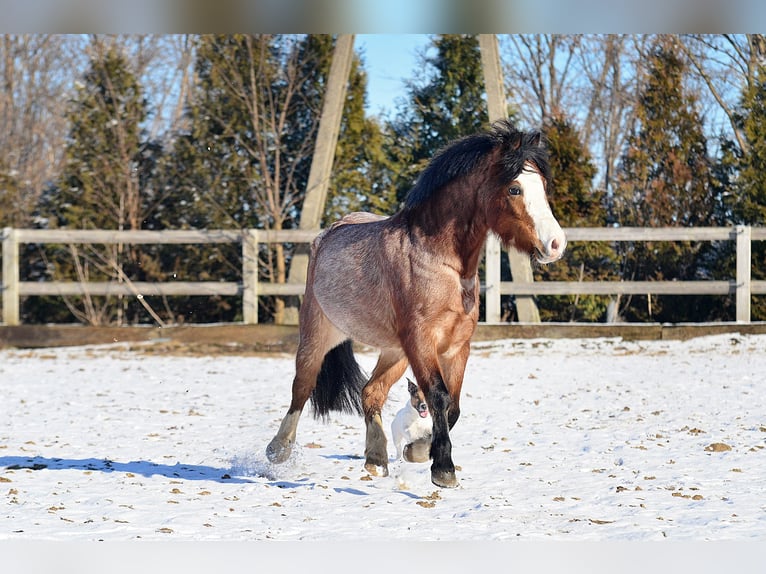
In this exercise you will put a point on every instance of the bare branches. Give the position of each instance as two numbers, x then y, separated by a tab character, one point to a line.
163	64
727	64
105	262
589	78
35	80
541	71
593	79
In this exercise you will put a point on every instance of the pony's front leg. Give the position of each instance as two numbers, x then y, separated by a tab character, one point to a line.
442	467
444	401
430	380
391	366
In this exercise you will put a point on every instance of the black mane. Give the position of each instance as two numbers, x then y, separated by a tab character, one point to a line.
464	155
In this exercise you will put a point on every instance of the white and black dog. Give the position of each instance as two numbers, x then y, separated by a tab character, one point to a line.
412	427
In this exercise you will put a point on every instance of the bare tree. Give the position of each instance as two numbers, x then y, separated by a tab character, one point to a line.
591	78
257	98
727	64
611	65
36	77
38	72
163	65
542	72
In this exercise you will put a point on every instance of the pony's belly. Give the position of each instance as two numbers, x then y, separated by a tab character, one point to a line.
352	281
357	310
362	324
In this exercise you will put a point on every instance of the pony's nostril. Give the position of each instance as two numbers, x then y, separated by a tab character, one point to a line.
555	247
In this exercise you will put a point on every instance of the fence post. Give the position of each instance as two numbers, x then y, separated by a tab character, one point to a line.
321	162
744	266
10	277
492	278
521	270
250	277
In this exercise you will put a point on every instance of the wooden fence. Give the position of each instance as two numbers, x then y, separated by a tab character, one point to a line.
742	286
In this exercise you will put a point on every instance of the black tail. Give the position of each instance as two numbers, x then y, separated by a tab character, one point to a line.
339	384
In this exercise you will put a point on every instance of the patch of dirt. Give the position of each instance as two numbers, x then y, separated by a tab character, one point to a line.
182	349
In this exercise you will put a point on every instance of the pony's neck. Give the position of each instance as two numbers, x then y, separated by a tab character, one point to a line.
454	225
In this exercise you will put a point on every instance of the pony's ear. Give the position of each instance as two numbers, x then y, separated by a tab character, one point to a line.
514	141
535	139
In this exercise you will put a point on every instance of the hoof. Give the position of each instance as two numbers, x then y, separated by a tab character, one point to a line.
278	452
445	479
376	469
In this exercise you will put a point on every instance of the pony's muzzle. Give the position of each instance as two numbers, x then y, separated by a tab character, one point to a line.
552	248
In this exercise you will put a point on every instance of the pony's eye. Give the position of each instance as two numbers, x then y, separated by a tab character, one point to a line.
514	190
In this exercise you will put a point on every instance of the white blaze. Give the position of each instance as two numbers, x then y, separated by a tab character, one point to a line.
549	232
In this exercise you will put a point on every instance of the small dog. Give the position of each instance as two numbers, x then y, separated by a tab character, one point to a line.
412	426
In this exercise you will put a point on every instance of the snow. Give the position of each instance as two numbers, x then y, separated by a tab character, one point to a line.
578	439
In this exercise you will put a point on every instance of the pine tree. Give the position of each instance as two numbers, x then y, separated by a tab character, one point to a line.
245	159
447	103
100	181
106	184
743	186
362	171
360	180
575	204
749	205
665	180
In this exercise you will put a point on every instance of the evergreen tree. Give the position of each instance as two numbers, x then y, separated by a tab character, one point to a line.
245	159
749	205
106	184
100	184
447	102
742	181
362	171
360	179
665	180
575	204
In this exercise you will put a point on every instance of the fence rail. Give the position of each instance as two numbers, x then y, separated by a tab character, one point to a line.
742	286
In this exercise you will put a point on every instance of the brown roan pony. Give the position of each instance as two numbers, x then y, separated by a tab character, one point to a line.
408	285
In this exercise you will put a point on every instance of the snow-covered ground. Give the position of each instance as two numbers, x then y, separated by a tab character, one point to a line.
582	439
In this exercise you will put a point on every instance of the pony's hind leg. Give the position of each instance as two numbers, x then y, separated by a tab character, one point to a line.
307	369
318	337
391	366
281	446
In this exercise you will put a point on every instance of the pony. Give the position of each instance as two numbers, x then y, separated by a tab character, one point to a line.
408	285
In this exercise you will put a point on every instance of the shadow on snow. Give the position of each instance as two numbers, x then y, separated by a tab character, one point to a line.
137	467
176	471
